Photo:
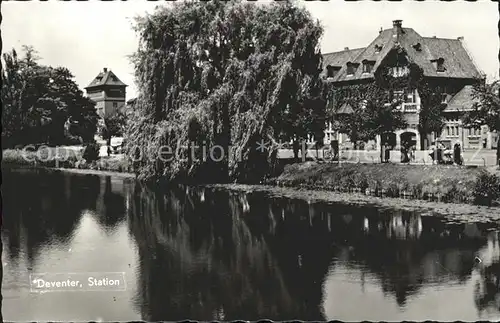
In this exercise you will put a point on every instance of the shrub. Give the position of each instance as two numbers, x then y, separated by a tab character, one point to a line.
486	189
91	152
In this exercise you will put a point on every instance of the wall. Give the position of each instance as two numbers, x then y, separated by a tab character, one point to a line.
104	102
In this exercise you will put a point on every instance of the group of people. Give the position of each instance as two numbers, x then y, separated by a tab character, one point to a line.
407	152
440	155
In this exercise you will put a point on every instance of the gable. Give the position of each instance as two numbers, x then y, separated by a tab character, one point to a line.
462	101
106	78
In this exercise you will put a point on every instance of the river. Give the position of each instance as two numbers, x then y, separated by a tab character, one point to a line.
212	254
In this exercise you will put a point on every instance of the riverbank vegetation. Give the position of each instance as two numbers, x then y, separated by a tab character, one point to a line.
59	157
434	183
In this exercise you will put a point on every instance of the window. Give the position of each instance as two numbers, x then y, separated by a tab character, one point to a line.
411	96
440	65
115	104
399	71
114	93
350	69
331	71
367	66
399	95
378	48
448	131
444	98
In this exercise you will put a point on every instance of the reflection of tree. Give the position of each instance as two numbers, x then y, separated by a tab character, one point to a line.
209	254
487	288
200	261
1	281
38	210
111	206
407	251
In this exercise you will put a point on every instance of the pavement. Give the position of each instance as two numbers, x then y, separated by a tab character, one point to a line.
480	157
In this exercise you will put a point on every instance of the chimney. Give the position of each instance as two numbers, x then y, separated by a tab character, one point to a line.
346	48
397	29
461	38
105	70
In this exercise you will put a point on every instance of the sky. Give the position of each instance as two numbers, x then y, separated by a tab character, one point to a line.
87	36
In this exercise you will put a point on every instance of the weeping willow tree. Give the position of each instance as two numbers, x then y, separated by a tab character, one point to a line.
214	79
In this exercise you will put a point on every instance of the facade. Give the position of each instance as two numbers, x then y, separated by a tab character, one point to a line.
108	92
445	62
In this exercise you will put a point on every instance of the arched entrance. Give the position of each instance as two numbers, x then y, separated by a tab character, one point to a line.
389	138
407	138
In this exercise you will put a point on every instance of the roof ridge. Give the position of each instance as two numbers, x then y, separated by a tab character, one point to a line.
344	50
106	77
441	38
469	54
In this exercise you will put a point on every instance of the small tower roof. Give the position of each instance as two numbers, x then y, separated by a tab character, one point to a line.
104	78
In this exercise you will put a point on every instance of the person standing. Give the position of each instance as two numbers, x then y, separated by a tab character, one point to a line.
387	152
412	153
432	154
457	154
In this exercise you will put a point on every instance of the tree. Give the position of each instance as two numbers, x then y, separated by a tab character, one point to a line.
486	109
431	116
39	99
242	73
378	97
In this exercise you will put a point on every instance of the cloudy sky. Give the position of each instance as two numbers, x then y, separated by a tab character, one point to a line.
87	36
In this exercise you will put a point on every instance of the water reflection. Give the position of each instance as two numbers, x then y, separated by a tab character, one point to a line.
487	286
57	223
211	254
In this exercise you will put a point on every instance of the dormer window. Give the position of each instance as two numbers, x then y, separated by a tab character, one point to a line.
368	66
418	47
378	48
439	64
351	68
331	71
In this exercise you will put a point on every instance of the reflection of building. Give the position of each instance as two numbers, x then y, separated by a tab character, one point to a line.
446	64
108	92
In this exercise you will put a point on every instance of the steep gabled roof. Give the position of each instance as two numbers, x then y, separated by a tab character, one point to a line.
341	58
457	61
105	77
462	101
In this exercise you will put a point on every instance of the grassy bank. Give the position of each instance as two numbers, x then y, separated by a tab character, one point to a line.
433	183
63	158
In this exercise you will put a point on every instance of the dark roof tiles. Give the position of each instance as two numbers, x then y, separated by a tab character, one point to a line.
106	77
462	101
341	58
457	61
